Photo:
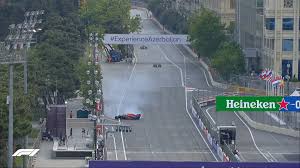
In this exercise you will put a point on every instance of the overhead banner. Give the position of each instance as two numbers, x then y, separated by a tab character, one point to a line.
145	39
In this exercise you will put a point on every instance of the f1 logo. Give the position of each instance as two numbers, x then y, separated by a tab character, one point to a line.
26	152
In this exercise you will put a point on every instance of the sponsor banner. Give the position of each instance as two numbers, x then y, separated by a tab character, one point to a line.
220	152
209	138
200	123
163	164
145	39
194	113
215	147
259	103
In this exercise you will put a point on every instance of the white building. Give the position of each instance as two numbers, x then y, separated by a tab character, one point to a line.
224	8
281	36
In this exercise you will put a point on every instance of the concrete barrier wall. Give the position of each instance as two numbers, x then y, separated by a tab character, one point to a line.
264	127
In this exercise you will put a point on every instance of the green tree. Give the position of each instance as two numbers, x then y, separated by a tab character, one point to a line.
206	32
228	60
109	16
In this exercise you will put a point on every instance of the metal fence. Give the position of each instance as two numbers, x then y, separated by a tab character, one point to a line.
211	129
36	145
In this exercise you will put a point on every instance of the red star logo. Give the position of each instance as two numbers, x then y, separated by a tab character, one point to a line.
283	104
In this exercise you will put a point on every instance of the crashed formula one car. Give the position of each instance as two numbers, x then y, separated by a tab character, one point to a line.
129	116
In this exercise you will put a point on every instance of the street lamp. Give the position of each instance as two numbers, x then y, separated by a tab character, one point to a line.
15	53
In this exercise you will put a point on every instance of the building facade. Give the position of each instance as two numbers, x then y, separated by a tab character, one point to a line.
187	7
224	8
249	32
281	37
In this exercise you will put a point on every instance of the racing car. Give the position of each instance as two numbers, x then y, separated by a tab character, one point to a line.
129	116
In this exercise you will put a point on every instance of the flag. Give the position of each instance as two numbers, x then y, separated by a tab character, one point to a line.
276	81
262	74
281	84
268	74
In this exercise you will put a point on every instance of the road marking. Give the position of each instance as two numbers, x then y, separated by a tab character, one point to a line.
252	137
194	64
274	159
241	156
167	58
209	114
121	102
115	147
186	108
124	149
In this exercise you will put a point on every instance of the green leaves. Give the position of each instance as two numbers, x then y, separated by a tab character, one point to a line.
206	32
228	60
168	16
109	16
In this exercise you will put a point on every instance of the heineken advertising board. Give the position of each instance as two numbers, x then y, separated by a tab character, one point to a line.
260	103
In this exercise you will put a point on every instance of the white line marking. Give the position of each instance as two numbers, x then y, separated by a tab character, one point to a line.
209	114
252	137
115	146
121	102
186	101
194	64
167	58
274	159
124	150
242	157
205	77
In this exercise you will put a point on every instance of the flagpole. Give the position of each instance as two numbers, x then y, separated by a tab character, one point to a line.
266	83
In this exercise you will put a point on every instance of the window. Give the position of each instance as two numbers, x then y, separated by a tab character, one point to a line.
272	44
288	3
285	69
287	45
287	24
259	3
270	23
232	4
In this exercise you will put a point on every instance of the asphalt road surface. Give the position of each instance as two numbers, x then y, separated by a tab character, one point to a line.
275	147
166	131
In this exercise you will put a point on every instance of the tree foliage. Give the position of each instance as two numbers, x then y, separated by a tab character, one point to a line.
109	16
228	60
206	32
52	62
168	16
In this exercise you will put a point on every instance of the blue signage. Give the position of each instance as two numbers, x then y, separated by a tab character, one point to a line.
290	103
167	164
